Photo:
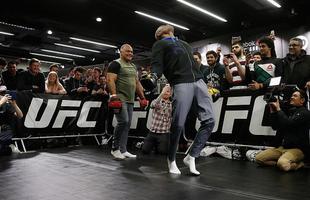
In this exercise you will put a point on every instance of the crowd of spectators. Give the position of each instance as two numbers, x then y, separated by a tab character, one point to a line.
78	80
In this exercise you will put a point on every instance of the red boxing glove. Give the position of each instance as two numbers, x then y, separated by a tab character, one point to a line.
115	104
143	103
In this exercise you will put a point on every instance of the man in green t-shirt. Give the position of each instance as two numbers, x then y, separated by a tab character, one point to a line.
123	83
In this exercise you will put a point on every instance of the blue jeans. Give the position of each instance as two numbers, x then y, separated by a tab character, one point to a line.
183	95
120	135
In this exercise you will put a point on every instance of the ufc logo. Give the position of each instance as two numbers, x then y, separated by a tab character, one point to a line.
48	113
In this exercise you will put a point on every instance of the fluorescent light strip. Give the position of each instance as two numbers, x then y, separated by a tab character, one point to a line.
161	20
274	3
50	56
6	33
75	47
203	10
17	26
45	61
62	53
92	42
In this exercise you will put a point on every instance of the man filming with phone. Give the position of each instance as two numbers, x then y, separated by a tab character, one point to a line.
9	113
292	134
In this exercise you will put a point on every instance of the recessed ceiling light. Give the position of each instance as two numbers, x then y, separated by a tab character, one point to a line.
75	47
63	53
202	10
50	32
50	56
92	42
99	19
276	4
161	20
6	33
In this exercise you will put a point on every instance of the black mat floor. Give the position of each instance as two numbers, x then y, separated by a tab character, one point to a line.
90	173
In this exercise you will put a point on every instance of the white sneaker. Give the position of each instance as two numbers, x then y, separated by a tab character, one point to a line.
129	155
14	148
118	155
173	168
251	154
224	151
207	151
190	162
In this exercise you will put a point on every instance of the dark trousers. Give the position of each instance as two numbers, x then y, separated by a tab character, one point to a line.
159	141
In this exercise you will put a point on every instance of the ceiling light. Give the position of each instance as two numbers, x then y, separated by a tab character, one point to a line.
50	32
202	10
99	19
75	47
17	26
274	3
92	42
50	56
44	61
62	53
161	20
6	33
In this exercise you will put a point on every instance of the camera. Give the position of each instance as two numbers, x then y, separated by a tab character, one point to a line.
270	97
279	91
149	81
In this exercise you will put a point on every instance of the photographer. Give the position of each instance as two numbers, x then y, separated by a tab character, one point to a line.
292	134
9	112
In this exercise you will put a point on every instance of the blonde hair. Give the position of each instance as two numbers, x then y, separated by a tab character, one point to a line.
53	86
163	29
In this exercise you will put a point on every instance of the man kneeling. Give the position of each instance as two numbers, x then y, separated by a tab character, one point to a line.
292	134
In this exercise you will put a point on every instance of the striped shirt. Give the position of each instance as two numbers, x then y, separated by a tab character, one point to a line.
237	80
161	116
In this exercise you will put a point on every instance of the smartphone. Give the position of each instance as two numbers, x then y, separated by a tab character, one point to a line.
227	55
12	93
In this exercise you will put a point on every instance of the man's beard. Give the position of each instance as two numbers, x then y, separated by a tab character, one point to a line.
211	64
238	54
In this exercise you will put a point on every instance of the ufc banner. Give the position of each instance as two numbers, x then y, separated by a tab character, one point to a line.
59	114
241	117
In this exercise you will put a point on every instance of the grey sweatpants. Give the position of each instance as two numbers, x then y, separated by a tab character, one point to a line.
183	95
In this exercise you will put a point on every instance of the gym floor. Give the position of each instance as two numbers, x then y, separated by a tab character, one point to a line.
90	173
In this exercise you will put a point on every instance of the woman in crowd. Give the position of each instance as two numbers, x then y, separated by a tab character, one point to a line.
52	84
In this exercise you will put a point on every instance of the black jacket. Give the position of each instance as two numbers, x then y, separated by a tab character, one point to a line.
215	75
72	84
173	58
10	81
296	71
292	128
27	81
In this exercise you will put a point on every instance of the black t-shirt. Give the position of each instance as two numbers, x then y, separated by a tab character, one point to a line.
7	119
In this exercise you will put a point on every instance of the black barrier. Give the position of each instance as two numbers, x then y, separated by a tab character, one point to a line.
46	114
241	117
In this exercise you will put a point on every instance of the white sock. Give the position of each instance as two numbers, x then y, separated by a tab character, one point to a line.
173	168
190	162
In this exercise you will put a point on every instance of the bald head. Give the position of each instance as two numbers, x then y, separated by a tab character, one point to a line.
164	30
126	52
